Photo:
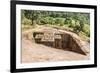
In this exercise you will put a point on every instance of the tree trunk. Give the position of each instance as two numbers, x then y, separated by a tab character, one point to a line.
81	26
32	18
32	21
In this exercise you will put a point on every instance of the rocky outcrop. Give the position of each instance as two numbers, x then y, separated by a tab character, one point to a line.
75	43
67	41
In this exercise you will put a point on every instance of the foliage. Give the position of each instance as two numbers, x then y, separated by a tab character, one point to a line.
59	21
26	22
32	15
86	30
77	22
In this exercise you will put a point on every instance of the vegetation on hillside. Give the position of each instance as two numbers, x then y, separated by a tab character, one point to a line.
76	22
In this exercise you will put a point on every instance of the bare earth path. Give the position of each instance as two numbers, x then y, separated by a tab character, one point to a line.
32	52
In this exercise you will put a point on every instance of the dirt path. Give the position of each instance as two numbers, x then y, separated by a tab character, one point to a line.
32	52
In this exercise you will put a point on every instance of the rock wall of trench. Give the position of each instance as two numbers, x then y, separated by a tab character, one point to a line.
67	42
72	44
75	46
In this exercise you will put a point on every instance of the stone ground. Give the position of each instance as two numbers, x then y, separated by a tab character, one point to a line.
32	52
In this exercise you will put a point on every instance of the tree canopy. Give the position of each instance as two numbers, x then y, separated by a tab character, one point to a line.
77	21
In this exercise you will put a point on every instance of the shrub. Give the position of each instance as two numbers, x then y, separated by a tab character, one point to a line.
71	23
86	30
26	21
59	21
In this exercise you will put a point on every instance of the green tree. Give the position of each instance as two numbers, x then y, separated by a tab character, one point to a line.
32	15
